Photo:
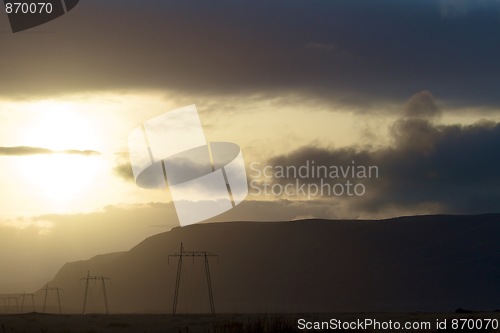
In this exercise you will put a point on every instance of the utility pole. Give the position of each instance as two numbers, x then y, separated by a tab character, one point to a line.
95	278
32	301
56	289
4	302
182	253
8	302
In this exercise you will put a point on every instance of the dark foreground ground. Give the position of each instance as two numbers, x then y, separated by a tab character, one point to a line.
229	323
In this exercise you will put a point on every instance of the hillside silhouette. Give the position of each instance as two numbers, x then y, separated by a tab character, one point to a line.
417	263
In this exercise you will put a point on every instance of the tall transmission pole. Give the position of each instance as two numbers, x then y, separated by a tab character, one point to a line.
182	253
95	278
6	302
47	289
24	295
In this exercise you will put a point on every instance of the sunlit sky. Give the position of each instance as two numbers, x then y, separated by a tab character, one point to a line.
348	82
73	183
69	183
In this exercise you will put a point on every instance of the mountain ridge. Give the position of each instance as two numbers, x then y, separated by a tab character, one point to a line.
427	263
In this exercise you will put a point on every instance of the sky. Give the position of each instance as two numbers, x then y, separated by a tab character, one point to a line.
410	87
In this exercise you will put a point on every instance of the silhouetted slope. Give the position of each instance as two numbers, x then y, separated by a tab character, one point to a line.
428	263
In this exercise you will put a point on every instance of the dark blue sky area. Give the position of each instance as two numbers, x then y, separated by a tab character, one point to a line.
355	52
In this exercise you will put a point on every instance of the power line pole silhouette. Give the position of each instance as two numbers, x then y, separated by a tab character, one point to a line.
32	301
15	299
193	254
6	302
47	289
95	278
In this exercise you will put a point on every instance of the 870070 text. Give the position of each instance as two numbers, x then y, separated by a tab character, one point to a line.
28	8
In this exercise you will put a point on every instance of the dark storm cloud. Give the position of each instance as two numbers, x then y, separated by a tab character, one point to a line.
451	168
26	151
355	52
124	171
422	105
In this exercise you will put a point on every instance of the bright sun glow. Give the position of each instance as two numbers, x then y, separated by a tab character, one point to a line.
59	178
59	126
63	183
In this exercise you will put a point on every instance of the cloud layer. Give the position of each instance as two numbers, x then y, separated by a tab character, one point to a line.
350	52
25	151
429	168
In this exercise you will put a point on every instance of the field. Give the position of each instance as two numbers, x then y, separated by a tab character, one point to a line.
222	323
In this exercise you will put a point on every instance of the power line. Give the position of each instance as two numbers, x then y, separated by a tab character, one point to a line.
56	289
7	298
6	302
96	278
32	300
182	253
